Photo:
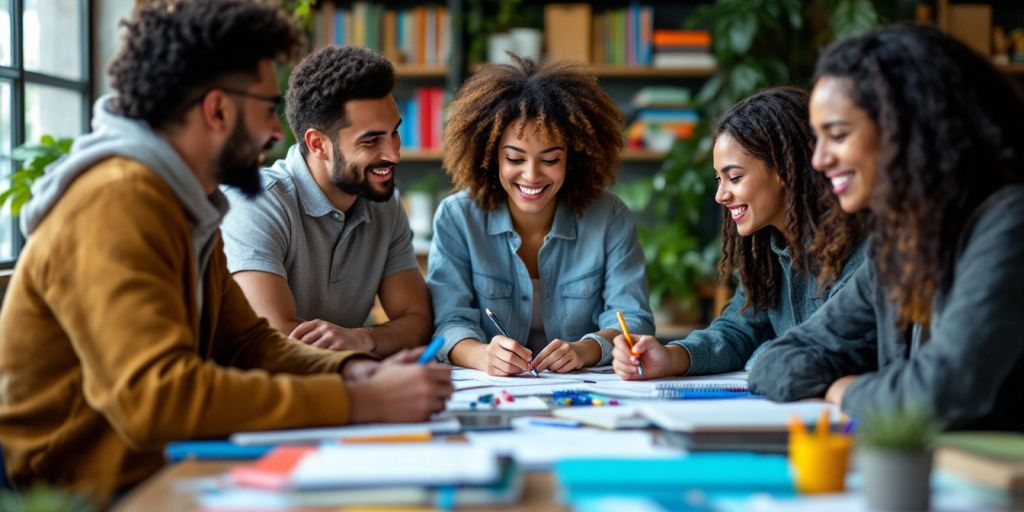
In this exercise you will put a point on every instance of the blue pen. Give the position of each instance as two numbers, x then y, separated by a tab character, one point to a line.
552	422
494	320
432	348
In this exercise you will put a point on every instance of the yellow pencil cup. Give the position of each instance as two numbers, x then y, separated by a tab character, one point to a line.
819	464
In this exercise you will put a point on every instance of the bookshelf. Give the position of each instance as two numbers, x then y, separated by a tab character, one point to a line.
638	72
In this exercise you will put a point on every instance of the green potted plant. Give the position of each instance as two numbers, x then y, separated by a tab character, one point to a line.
894	455
41	498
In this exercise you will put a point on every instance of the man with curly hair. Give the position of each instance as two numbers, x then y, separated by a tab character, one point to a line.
122	329
329	234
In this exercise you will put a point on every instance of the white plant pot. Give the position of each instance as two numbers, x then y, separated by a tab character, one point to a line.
497	46
527	42
895	480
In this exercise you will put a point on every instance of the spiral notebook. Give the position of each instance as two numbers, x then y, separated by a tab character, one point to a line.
702	390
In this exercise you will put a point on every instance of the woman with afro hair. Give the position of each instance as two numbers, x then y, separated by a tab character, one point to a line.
532	235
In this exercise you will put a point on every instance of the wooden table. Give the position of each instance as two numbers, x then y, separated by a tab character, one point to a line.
159	493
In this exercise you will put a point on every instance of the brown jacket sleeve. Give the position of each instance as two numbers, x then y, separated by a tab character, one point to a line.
125	295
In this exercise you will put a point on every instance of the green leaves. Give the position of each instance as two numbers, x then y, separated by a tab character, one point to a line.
41	498
910	429
35	158
852	17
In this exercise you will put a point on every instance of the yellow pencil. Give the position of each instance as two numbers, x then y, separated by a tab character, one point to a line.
629	341
414	437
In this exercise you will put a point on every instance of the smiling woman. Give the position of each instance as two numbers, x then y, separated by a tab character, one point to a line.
533	236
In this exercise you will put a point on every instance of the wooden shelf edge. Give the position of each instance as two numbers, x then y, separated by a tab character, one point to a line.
606	71
1012	67
422	155
610	71
641	155
421	70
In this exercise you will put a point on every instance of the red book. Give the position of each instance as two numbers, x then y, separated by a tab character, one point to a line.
274	470
425	99
436	117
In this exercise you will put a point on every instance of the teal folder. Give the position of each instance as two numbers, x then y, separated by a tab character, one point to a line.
668	481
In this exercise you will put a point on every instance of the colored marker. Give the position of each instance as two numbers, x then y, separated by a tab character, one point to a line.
552	422
494	320
431	351
629	341
415	437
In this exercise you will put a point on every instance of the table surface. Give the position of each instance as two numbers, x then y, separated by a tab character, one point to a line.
161	493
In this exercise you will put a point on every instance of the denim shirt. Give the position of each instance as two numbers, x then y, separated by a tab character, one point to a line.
590	267
735	339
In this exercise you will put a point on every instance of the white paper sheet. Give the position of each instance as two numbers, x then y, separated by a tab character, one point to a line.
341	466
536	449
731	415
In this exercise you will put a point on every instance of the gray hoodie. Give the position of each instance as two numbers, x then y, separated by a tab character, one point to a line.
115	135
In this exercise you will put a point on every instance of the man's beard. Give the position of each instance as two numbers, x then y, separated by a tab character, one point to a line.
239	161
351	180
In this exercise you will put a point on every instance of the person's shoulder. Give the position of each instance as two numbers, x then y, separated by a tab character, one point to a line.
122	180
277	188
459	203
606	207
1002	212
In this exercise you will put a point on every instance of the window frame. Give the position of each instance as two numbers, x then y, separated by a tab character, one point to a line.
19	78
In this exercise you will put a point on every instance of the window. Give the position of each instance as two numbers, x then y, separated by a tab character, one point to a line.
45	84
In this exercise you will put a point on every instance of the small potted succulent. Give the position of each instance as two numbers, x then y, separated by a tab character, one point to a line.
894	455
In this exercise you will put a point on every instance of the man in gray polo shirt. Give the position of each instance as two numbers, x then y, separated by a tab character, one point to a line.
330	233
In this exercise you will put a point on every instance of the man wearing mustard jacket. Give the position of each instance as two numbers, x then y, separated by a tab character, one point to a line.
122	329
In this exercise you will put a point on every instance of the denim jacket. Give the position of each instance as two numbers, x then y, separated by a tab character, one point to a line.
590	267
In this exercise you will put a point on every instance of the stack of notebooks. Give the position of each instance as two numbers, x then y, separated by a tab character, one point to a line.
731	424
991	461
334	475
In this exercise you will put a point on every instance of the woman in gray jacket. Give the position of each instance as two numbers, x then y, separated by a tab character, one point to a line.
782	230
928	136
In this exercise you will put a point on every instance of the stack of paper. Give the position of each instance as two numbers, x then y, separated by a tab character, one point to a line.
433	473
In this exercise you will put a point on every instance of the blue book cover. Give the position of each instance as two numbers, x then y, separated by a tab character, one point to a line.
712	473
212	449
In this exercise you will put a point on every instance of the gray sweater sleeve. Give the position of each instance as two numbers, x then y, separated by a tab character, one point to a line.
839	339
726	344
977	340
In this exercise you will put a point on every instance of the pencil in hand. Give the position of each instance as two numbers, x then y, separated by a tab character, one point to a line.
501	329
629	341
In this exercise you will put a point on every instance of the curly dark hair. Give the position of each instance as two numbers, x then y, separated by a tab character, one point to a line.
951	128
173	50
568	105
323	82
772	127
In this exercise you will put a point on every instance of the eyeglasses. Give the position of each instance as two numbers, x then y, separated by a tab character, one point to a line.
274	100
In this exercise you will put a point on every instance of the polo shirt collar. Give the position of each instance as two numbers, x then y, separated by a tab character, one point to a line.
313	200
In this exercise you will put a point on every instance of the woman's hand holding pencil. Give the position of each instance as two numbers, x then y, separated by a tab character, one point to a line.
646	351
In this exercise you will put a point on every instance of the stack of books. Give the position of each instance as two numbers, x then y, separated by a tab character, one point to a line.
662	115
993	462
334	475
682	49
